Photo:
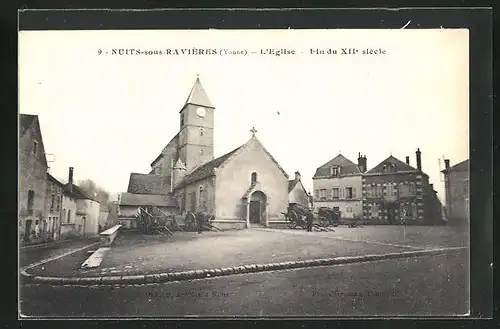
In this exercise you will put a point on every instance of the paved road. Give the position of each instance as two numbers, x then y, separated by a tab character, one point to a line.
432	285
133	254
32	255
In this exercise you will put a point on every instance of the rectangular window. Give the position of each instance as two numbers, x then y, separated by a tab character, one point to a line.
335	193
348	193
374	211
31	200
341	196
58	203
35	147
328	194
322	194
52	202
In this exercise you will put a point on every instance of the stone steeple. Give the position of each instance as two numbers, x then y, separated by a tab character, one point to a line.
198	96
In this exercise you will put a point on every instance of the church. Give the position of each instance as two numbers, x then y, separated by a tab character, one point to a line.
243	188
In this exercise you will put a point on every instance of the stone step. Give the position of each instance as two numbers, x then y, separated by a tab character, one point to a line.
95	259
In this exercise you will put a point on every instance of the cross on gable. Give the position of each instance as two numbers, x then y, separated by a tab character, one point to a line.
253	131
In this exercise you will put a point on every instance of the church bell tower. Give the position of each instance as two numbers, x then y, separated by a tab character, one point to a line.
196	135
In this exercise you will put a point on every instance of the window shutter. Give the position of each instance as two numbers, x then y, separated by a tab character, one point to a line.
328	194
341	193
353	192
316	193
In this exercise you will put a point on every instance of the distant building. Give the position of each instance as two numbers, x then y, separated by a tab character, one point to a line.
395	192
296	191
80	211
53	207
337	185
456	180
241	188
32	179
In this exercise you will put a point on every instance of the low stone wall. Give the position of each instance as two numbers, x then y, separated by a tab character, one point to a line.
229	224
277	224
109	235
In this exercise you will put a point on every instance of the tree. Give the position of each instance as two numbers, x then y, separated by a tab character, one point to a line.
96	192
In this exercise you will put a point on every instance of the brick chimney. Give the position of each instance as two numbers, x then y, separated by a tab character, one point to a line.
419	159
297	175
407	160
365	166
70	179
447	164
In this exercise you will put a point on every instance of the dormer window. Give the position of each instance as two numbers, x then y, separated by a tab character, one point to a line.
35	147
335	171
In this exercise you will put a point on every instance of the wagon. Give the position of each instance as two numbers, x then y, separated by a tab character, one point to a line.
328	216
296	215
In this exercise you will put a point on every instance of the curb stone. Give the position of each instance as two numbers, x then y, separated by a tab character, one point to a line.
201	274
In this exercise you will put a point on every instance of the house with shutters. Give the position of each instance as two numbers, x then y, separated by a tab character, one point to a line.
395	193
242	188
337	185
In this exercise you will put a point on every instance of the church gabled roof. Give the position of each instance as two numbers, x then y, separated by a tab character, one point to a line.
205	170
398	166
348	167
208	169
148	184
198	96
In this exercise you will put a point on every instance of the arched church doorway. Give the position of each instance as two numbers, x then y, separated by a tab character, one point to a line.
258	201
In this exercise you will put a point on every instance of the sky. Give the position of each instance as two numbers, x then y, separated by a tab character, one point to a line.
108	115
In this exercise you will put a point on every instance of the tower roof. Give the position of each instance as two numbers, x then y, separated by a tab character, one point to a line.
179	164
198	96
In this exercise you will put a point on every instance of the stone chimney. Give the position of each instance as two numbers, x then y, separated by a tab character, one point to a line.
365	166
419	159
360	162
297	175
70	179
407	160
447	164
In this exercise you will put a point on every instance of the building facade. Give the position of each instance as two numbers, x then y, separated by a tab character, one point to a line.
53	207
244	187
396	193
456	180
338	185
32	179
297	193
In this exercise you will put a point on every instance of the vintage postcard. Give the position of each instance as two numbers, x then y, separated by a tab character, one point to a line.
252	173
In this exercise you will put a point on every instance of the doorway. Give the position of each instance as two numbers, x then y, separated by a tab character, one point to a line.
391	212
258	208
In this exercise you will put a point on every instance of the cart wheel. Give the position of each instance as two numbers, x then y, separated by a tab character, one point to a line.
292	219
190	220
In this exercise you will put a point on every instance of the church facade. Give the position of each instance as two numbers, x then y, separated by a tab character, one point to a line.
242	188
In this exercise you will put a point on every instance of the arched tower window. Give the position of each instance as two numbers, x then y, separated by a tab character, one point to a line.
254	177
